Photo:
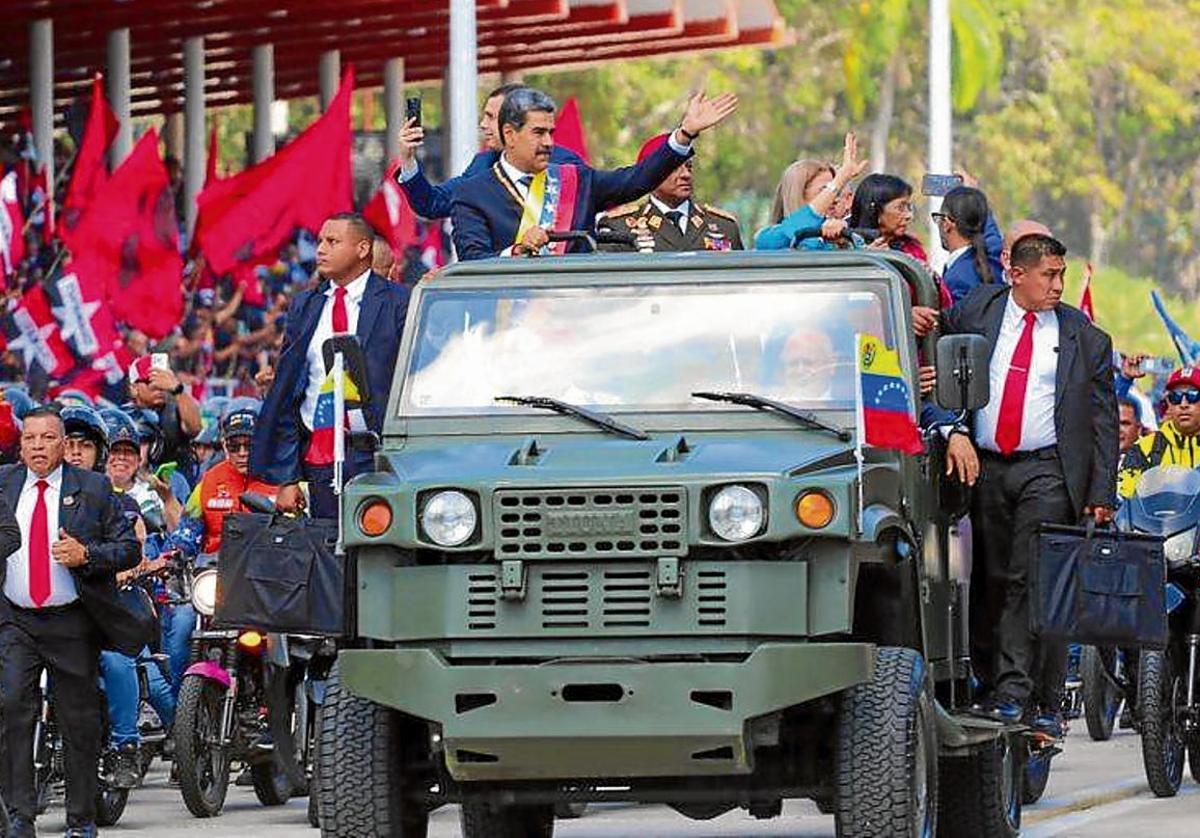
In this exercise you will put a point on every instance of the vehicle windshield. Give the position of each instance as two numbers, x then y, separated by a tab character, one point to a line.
1167	500
642	347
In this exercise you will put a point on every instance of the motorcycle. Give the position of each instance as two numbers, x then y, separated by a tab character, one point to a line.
1109	684
1167	504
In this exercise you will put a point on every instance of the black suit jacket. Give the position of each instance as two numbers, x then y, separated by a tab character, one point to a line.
1085	401
89	512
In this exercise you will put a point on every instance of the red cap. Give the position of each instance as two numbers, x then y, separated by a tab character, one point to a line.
652	145
1189	376
139	370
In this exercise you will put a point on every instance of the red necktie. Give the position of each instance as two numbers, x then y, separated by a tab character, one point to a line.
39	549
341	321
1012	404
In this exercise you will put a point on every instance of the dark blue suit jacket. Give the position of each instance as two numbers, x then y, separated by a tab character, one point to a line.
962	277
433	201
280	437
486	215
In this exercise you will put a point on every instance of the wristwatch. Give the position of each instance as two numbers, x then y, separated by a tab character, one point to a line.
178	391
960	429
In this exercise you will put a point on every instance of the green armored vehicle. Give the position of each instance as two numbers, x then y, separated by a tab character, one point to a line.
617	548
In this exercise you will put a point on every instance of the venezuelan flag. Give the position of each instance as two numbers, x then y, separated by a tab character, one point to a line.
320	445
885	401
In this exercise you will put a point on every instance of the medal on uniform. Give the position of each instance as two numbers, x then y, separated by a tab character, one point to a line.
655	222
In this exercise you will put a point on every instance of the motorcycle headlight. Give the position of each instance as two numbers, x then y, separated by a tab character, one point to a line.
736	513
449	518
1178	548
204	592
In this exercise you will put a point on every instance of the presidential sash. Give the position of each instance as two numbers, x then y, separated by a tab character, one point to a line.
550	203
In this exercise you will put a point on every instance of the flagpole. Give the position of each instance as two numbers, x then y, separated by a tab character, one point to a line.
862	427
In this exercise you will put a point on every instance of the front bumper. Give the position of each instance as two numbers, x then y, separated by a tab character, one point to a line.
602	719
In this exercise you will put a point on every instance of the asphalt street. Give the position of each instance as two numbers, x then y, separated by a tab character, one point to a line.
1096	790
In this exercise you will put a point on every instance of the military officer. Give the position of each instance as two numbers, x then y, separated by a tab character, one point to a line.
670	220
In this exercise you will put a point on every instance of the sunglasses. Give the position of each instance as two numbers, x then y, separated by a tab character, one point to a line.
1179	396
238	446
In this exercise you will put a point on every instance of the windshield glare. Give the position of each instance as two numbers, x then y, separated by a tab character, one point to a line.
1170	480
645	347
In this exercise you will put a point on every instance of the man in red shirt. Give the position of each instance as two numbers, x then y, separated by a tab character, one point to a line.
220	490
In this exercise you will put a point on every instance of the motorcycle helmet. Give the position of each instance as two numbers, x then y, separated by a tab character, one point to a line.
72	397
241	404
149	431
210	434
20	401
84	422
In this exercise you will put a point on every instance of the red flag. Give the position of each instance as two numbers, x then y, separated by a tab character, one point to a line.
12	227
568	129
433	254
102	376
1085	301
30	328
214	151
256	211
90	172
391	216
85	321
128	243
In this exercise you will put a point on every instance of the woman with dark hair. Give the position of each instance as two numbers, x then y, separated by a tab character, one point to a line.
970	236
884	203
809	197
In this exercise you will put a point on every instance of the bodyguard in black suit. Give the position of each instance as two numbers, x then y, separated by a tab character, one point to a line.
58	609
1047	453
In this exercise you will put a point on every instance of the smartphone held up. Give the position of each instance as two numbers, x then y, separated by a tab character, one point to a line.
937	186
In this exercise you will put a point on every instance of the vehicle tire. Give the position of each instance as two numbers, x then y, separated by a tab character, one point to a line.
886	756
314	813
110	805
1035	776
361	778
1159	686
490	820
272	786
203	769
1101	698
981	793
1194	760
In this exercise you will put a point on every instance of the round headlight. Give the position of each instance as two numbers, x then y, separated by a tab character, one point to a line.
449	518
204	592
1178	548
735	513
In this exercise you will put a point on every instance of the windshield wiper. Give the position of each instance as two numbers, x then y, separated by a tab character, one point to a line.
804	417
600	420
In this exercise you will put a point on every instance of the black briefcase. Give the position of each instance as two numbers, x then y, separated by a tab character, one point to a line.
1100	587
280	574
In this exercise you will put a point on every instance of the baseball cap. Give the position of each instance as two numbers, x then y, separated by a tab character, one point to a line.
1184	377
140	369
239	423
650	146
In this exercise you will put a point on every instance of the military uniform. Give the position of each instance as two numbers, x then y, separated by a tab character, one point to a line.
708	228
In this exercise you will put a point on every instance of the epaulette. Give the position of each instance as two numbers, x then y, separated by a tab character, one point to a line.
618	212
720	213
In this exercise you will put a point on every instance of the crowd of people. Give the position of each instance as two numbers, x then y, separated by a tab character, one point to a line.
239	399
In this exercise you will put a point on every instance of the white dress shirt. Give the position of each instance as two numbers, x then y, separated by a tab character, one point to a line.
63	590
1037	422
684	208
954	255
316	360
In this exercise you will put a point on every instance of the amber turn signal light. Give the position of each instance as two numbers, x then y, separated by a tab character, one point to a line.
250	640
374	518
814	509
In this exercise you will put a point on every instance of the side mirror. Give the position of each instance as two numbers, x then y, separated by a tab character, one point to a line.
962	372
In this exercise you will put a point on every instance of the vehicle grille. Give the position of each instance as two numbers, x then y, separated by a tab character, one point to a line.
634	523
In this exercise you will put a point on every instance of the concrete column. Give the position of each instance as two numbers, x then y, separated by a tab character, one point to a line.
173	134
193	127
463	81
264	96
330	70
41	95
393	105
941	113
118	95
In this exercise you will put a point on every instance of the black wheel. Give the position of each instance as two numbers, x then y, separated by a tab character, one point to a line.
110	805
489	820
981	793
361	779
1194	760
272	786
1036	775
1101	697
203	764
314	758
1160	690
886	780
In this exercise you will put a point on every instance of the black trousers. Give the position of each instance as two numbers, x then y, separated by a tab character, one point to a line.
1013	497
322	502
66	642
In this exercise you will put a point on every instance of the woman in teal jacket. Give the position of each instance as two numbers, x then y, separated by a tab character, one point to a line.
811	194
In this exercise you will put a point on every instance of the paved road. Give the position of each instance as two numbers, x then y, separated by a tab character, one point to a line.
1096	790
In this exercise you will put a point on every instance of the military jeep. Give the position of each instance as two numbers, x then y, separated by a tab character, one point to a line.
619	546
